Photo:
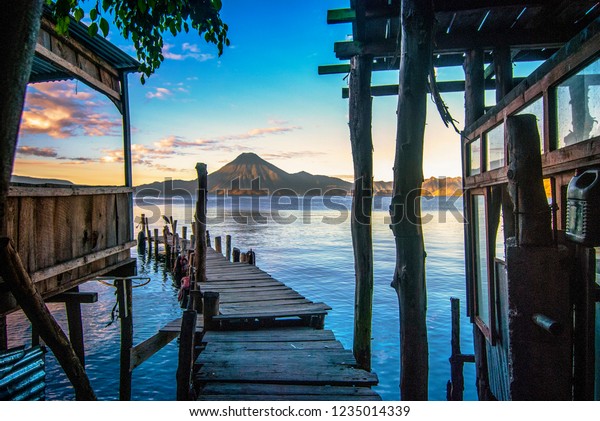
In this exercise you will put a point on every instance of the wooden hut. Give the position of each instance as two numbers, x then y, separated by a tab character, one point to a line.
66	235
530	273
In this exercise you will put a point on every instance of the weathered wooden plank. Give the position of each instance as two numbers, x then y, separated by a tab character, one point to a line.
63	236
231	298
302	374
241	389
272	357
323	397
149	347
55	191
243	284
226	347
263	303
274	288
270	335
273	310
175	325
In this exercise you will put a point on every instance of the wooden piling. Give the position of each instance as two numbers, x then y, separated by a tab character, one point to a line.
218	244
243	258
17	279
167	246
236	254
186	355
184	232
156	243
73	309
124	297
456	364
200	223
208	243
148	234
211	308
417	18
228	247
141	238
360	112
251	257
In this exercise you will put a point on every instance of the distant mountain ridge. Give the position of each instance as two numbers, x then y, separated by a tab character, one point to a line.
250	175
21	179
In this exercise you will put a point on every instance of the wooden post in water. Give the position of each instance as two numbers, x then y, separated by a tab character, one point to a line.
417	19
148	234
124	297
73	309
218	244
22	287
360	112
186	355
184	232
211	308
243	258
228	247
456	364
167	247
141	238
208	243
200	222
236	254
156	242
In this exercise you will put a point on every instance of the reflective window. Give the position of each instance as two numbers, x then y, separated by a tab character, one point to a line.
481	261
494	148
578	106
475	157
500	253
537	109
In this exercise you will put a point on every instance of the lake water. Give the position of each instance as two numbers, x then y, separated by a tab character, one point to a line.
305	243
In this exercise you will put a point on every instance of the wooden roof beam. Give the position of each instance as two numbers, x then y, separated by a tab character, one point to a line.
459	42
443	87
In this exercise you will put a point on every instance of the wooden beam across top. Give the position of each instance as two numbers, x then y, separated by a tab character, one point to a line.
443	87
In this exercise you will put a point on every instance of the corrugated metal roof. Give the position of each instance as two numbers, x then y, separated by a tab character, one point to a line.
23	374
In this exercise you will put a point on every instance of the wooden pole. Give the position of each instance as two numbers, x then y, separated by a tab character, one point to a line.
474	108
208	243
184	232
200	221
141	238
74	321
211	308
124	296
236	255
456	363
228	247
218	244
360	113
16	278
148	234
186	355
167	247
156	243
409	276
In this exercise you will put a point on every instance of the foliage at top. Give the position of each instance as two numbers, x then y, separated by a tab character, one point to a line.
145	21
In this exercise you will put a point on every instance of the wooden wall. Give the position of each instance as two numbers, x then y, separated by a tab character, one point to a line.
69	234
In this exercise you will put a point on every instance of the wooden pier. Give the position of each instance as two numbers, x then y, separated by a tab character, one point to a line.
268	343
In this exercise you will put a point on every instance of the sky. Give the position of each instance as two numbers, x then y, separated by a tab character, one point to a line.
262	95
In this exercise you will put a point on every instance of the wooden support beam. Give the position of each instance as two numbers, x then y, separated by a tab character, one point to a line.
75	324
443	87
124	297
201	233
361	139
86	297
149	347
22	287
456	364
228	247
417	19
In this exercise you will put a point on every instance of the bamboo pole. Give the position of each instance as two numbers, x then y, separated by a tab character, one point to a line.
360	112
417	18
15	276
124	297
228	247
186	355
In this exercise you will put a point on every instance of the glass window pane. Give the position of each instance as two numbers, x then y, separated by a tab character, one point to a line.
494	146
475	154
537	109
578	106
481	274
500	253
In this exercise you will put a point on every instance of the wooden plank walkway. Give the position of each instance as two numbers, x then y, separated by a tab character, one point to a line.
270	343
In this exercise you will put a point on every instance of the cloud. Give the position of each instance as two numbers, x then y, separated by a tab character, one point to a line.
290	155
34	151
187	51
160	93
60	111
261	132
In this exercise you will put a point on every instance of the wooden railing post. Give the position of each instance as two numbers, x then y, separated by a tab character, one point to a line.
457	380
211	308
186	355
218	244
156	242
200	223
236	254
73	309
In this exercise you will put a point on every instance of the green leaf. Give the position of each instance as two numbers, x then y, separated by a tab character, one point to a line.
93	29
78	14
104	26
217	4
93	14
142	6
